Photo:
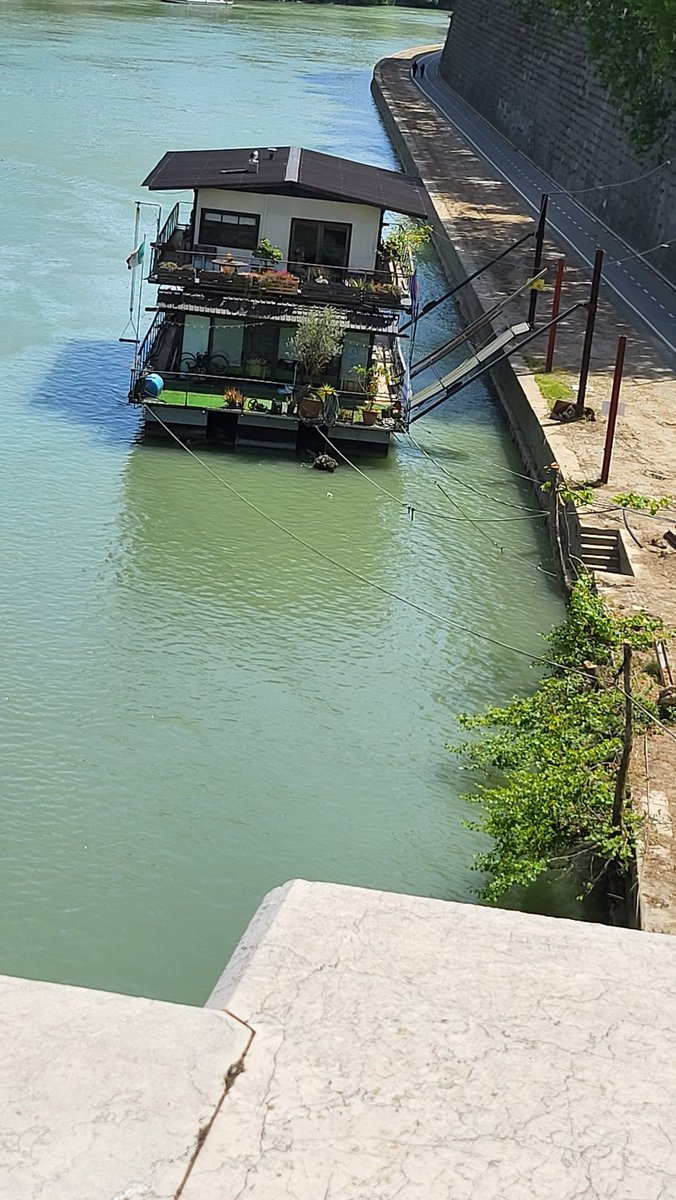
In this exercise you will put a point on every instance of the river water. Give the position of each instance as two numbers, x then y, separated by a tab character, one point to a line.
194	707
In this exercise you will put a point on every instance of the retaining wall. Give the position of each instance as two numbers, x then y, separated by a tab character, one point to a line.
536	84
524	422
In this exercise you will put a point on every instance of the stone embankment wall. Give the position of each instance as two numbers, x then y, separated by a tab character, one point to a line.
538	87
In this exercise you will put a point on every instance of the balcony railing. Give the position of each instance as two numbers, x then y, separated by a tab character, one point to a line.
246	275
170	226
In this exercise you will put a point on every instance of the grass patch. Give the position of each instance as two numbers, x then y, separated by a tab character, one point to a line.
554	387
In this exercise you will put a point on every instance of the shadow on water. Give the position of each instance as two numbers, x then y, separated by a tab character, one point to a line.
87	385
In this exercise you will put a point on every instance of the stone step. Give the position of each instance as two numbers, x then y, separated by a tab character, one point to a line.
602	564
600	551
598	539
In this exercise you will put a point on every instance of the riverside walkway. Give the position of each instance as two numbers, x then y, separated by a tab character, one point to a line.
476	215
645	295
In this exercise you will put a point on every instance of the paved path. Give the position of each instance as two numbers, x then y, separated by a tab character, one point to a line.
646	295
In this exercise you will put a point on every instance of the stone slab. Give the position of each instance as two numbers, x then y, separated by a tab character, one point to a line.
415	1049
102	1097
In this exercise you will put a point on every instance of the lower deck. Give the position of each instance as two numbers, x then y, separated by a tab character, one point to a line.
263	422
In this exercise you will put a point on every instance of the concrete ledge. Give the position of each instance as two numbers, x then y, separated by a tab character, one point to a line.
387	1046
421	1049
105	1096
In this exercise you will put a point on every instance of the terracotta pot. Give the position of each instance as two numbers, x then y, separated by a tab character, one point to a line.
369	416
310	407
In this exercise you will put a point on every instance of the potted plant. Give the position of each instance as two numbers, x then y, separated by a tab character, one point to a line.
255	367
267	253
280	281
286	281
369	412
369	380
233	398
384	291
250	279
318	339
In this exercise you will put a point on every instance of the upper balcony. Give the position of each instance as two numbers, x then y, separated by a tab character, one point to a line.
244	274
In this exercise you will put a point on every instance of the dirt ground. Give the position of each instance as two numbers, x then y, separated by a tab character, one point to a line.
482	215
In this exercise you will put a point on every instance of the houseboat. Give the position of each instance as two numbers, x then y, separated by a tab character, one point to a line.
279	246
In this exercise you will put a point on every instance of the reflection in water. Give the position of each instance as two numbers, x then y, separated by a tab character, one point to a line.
195	708
87	386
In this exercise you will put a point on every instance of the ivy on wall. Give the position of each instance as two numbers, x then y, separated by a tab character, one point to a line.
633	46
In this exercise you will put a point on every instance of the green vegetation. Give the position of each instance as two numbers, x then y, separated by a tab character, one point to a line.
318	339
268	252
549	760
406	238
651	504
634	48
582	495
554	387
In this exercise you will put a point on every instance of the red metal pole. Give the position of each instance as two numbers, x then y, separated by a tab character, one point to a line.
592	306
612	411
556	304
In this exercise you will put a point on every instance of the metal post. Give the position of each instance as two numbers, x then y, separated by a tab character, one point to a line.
612	411
537	260
592	306
137	226
556	304
621	780
140	292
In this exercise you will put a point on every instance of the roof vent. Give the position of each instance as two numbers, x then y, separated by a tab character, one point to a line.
253	162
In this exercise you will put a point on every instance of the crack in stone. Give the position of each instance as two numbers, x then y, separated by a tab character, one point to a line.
233	1072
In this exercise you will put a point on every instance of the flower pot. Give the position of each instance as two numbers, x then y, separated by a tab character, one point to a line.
369	416
310	407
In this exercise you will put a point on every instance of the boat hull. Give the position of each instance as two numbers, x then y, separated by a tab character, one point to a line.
240	430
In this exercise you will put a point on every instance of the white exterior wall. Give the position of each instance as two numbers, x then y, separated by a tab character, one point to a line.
277	212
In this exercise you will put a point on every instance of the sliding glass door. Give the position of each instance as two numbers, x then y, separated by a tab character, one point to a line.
321	243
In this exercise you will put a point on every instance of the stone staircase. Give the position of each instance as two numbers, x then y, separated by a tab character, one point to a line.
601	549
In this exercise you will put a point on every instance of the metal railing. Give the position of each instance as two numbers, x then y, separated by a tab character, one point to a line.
170	226
385	286
159	324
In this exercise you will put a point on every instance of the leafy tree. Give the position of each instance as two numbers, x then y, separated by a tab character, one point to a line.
318	339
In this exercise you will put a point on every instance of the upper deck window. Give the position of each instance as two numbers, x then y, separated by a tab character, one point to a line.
239	230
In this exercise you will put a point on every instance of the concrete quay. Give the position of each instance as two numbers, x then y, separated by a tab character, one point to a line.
359	1045
476	214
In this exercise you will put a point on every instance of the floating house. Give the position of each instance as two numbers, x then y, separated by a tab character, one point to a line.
275	239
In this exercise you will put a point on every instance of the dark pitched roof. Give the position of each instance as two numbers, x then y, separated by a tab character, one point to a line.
290	171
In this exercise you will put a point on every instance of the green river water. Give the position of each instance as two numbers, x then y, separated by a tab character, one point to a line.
194	707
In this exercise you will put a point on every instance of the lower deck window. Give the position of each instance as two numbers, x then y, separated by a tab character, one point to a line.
262	349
